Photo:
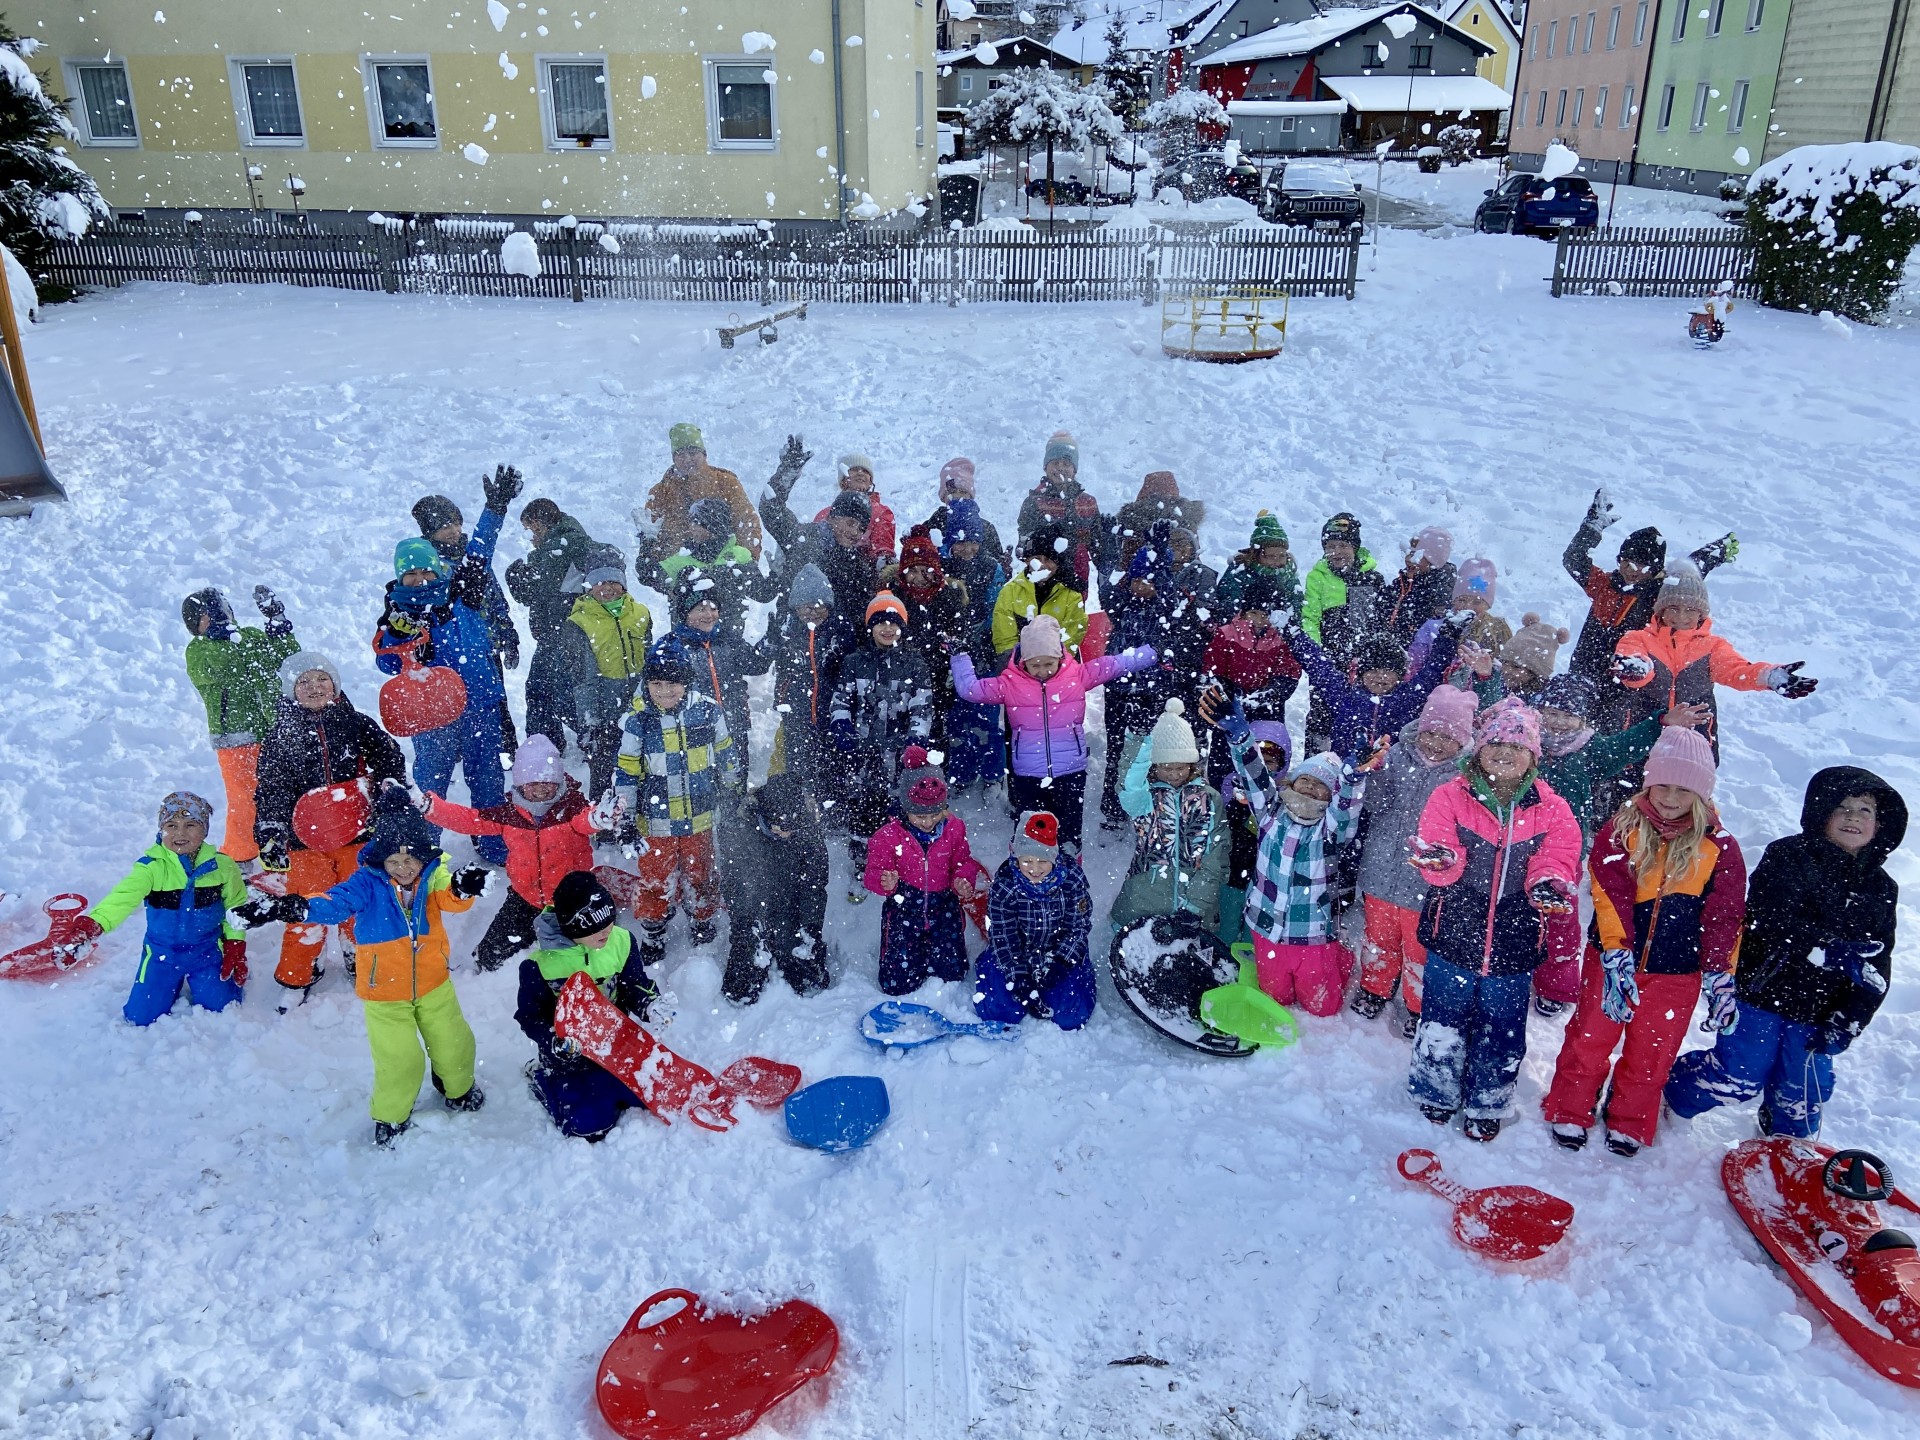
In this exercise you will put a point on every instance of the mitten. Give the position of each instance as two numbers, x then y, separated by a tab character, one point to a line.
81	938
502	487
1788	681
1429	854
233	961
269	909
1235	725
1623	989
1716	553
793	459
1550	897
1723	1003
274	847
1600	514
607	810
416	797
470	882
268	603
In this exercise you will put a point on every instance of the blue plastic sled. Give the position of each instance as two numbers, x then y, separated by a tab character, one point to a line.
902	1025
841	1113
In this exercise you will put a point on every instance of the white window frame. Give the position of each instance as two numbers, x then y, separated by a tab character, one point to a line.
710	80
1613	28
1737	110
1600	107
243	105
549	123
966	84
1702	98
1286	124
73	67
376	118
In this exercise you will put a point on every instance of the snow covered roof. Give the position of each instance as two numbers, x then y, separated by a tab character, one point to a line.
1015	50
1148	26
1258	109
1309	36
1438	93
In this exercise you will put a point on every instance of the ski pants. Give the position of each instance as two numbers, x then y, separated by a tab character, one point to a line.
1066	993
549	695
475	742
1559	977
239	772
1233	915
1064	795
756	944
1652	1038
1392	953
974	748
396	1029
673	868
583	1100
510	933
1472	1038
922	933
156	984
310	873
1312	975
1761	1053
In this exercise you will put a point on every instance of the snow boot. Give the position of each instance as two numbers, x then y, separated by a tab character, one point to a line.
1624	1146
653	942
467	1103
1548	1008
294	996
1410	1027
1368	1005
702	932
1482	1128
385	1134
1437	1115
1570	1137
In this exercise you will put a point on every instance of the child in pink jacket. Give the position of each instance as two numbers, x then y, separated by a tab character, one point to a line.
1045	691
920	862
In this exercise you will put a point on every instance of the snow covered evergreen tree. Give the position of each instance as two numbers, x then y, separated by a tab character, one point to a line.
1181	119
44	196
1125	75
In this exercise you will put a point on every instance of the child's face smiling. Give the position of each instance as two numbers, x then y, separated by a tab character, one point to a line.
403	869
183	836
1035	867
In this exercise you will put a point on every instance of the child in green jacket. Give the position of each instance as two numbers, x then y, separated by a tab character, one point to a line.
237	673
1579	765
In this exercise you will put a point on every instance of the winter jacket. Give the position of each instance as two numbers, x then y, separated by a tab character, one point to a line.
805	660
453	615
615	969
1176	621
880	528
310	748
1331	616
1615	608
1361	718
1687	665
1679	926
1038	931
674	764
239	680
925	864
1412	598
780	885
726	572
1584	778
1807	895
1134	521
1290	897
1477	914
1089	533
850	569
400	945
1257	668
603	656
1397	795
186	910
936	625
1180	844
1242	569
499	615
547	580
670	504
991	547
1049	721
1017	604
722	661
984	578
542	850
882	702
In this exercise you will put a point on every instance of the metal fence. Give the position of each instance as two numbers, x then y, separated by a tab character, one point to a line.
739	264
1649	261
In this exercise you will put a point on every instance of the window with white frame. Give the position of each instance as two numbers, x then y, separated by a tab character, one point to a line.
920	107
266	97
1579	104
1737	111
577	114
1626	107
1640	23
1700	95
1756	12
966	82
1600	108
105	111
1613	27
1666	106
1286	124
1593	17
740	112
400	102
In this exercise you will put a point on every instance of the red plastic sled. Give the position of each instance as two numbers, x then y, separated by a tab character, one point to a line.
622	885
329	816
421	697
40	960
707	1376
1816	1210
1505	1222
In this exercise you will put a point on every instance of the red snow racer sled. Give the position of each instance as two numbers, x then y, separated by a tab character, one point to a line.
46	959
707	1375
1817	1211
329	816
421	697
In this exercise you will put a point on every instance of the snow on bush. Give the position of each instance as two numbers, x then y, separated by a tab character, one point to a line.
1179	119
1457	143
44	196
1833	225
520	255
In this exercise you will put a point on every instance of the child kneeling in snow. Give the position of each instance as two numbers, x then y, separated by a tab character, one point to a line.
1038	914
187	887
578	934
1500	852
921	863
397	900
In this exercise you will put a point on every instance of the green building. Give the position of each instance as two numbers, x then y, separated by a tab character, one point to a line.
1709	92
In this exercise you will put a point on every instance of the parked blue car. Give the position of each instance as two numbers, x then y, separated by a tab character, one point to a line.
1531	204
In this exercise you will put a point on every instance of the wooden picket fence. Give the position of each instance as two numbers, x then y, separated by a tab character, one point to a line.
1645	260
740	264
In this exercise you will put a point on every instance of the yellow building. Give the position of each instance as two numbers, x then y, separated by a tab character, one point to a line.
740	109
1488	21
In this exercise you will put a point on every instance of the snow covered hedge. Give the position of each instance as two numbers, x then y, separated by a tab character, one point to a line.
1833	226
44	196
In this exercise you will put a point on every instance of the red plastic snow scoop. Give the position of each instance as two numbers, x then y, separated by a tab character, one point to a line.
421	697
708	1375
42	959
1093	644
669	1085
1506	1222
329	816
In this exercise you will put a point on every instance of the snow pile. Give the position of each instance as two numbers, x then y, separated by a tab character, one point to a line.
1822	178
520	255
1192	107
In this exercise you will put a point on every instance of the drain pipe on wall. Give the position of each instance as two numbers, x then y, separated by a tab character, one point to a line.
839	117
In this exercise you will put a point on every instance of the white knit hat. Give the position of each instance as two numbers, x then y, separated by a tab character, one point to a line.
1173	742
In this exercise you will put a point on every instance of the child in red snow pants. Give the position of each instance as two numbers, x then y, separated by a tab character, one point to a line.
1311	975
1392	952
676	868
1653	1039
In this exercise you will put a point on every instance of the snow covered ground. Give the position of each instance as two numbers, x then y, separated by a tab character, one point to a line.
197	1241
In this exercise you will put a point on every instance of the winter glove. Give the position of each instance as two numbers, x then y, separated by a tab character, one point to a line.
233	962
1715	553
1829	1039
566	1047
1631	669
607	810
470	882
1429	855
1788	681
274	847
845	738
269	909
1723	1003
1376	757
268	603
401	624
1601	515
81	939
1623	990
794	456
415	796
1851	957
1550	897
505	484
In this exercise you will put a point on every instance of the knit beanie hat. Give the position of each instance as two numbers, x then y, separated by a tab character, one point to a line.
1341	527
963	524
1062	446
1646	547
668	661
1449	712
185	805
1049	541
603	564
853	460
435	512
1037	834
1433	544
1509	722
1683	585
919	549
1267	530
1380	652
713	515
1570	694
1682	757
691	587
1172	741
1324	767
810	587
303	662
417	553
582	906
1476	577
686	437
210	601
956	478
1535	645
398	827
886	606
854	505
1041	639
1159	485
923	790
537	762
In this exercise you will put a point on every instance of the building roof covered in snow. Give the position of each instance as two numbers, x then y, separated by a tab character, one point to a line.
1150	26
1411	93
1310	36
1265	109
1008	54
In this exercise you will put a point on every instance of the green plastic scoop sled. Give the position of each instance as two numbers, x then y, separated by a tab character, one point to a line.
1245	1010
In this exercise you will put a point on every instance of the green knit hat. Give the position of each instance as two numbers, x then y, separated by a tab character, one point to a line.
1266	530
418	554
686	437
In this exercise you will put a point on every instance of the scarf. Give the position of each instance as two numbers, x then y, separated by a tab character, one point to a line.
1304	808
1666	829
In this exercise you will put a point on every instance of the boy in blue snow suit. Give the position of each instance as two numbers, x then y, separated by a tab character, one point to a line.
445	609
1039	913
187	887
1816	957
975	751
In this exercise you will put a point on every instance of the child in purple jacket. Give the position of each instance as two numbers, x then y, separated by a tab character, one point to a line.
1383	699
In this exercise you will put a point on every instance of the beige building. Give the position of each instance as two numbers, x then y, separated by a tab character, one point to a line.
742	109
1849	70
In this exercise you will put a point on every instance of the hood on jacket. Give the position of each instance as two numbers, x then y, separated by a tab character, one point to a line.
1829	787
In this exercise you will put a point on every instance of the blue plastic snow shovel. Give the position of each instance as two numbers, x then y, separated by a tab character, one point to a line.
841	1113
903	1025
